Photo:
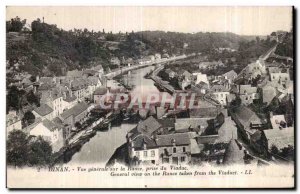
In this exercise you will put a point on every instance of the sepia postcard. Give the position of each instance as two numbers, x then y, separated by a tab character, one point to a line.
144	97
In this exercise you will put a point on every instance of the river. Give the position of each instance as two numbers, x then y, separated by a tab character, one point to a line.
101	147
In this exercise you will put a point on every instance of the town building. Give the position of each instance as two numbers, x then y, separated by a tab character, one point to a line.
281	78
230	76
278	138
49	131
248	123
220	93
98	95
76	114
201	78
247	94
54	99
174	148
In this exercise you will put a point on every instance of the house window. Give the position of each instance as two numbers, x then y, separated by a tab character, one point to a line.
152	153
182	159
145	153
137	154
183	149
165	160
174	150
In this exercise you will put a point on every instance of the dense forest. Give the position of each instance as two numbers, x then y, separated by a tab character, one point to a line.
49	50
285	47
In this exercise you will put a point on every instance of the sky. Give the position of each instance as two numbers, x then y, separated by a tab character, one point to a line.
239	20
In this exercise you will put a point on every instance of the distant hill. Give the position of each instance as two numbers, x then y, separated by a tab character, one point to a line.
48	50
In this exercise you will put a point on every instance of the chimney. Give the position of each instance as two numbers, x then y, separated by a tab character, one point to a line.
37	78
155	138
65	95
144	144
173	141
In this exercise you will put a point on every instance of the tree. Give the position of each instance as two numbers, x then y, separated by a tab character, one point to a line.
40	152
288	152
25	150
274	150
257	39
15	25
32	78
14	98
33	99
17	148
28	118
78	125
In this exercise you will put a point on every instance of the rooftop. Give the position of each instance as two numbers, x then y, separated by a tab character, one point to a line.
76	110
43	110
280	138
177	138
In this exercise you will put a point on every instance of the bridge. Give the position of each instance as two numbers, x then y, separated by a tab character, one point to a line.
117	72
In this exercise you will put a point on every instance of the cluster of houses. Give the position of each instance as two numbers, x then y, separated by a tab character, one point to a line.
64	104
188	140
260	84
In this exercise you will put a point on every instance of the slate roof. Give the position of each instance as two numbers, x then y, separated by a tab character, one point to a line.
141	139
233	154
187	74
246	116
219	88
43	110
227	131
76	110
230	75
51	125
247	89
148	126
167	122
195	149
78	84
167	140
70	98
280	138
268	94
